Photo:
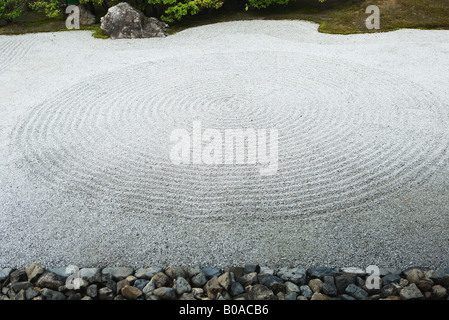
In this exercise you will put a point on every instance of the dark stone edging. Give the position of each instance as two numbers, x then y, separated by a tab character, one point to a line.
250	282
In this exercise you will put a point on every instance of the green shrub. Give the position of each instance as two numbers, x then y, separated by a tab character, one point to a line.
54	8
177	9
11	9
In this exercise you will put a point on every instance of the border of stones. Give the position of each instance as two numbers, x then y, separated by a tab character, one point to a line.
250	282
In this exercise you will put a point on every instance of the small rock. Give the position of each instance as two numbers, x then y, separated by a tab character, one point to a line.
411	292
225	280
17	276
20	295
441	277
34	271
198	293
329	287
141	283
391	278
213	288
49	280
165	293
22	285
237	271
199	279
277	287
181	286
415	275
260	292
11	294
250	268
425	284
31	293
386	271
291	287
403	282
147	273
319	296
306	291
270	281
149	288
176	272
50	294
211	272
439	292
4	273
63	272
280	296
353	270
356	292
187	296
111	284
121	284
407	271
105	294
316	285
91	275
301	298
295	275
224	296
291	296
118	273
194	270
131	279
130	292
321	272
265	270
359	281
236	289
75	296
119	297
347	297
86	298
391	289
248	279
92	291
342	281
161	280
80	284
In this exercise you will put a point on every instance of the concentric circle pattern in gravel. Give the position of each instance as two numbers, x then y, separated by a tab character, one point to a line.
90	181
339	145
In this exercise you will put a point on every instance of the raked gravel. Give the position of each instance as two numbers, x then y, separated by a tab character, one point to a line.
363	122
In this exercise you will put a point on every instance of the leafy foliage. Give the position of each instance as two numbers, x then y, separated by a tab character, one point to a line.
11	9
177	9
52	8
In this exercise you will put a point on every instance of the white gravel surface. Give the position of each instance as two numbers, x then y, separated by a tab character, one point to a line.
363	125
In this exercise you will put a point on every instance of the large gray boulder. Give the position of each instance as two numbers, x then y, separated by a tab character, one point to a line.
124	22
